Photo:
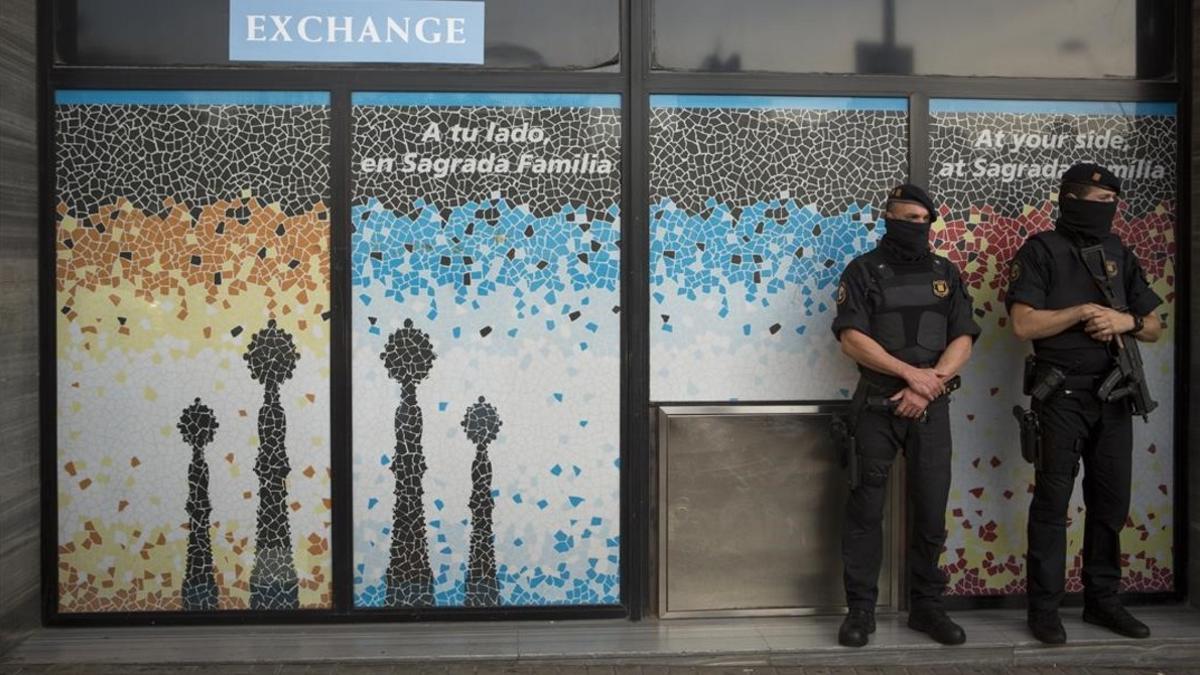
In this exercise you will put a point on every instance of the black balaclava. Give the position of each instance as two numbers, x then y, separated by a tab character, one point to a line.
906	241
903	240
1081	220
1085	220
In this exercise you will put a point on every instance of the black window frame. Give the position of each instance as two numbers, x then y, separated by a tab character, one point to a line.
635	82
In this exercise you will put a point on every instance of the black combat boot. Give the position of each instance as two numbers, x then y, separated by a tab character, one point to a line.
1117	619
1047	627
934	622
859	623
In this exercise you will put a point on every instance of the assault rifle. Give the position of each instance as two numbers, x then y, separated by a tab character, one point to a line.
1127	378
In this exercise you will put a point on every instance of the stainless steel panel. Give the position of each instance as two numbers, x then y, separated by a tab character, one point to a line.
750	509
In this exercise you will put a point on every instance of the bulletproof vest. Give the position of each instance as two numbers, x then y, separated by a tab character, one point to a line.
912	317
1072	284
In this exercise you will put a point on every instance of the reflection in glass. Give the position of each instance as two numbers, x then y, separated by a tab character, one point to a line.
530	34
1016	38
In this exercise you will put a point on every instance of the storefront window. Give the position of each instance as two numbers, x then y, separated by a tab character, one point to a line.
192	294
1019	38
527	34
995	167
756	205
486	349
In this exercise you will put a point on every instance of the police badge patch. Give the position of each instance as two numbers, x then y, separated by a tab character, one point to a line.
1110	268
841	293
941	288
1014	271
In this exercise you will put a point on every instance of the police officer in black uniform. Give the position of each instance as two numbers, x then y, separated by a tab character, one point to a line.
904	316
1057	302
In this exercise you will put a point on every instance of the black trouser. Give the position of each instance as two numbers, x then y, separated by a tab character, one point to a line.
926	448
1075	425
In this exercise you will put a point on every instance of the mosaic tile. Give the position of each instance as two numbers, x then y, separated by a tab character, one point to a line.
754	213
985	219
496	292
189	235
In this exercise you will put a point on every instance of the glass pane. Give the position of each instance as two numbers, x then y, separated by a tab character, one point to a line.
1017	38
192	280
995	168
486	349
533	34
756	205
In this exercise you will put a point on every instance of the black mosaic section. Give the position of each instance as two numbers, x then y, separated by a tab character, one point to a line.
830	158
271	358
408	357
198	425
957	136
481	424
194	154
570	132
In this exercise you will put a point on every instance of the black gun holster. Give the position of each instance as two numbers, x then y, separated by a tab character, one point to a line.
842	429
1031	435
1041	382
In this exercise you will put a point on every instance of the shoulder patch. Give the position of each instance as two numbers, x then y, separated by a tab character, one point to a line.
1014	271
941	288
841	293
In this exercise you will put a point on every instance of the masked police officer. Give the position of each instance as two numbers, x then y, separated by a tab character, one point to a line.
905	318
1056	298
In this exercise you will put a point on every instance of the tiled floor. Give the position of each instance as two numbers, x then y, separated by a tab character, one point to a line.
489	668
996	638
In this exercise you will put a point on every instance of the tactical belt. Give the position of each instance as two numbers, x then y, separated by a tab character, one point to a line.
1087	383
1082	382
887	383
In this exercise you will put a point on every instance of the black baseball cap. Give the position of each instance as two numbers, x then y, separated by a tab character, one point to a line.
1087	173
912	193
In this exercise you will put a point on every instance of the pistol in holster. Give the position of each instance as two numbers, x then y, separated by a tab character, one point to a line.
842	429
1031	435
843	439
1041	382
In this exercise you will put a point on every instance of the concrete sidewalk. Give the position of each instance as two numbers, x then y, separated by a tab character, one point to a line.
995	639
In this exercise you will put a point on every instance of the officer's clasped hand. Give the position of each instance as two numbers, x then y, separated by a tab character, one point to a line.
909	404
925	382
1104	323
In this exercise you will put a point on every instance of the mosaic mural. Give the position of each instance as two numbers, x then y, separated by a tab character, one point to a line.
486	334
192	274
995	167
756	206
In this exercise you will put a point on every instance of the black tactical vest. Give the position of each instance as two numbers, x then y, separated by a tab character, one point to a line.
1070	284
911	318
